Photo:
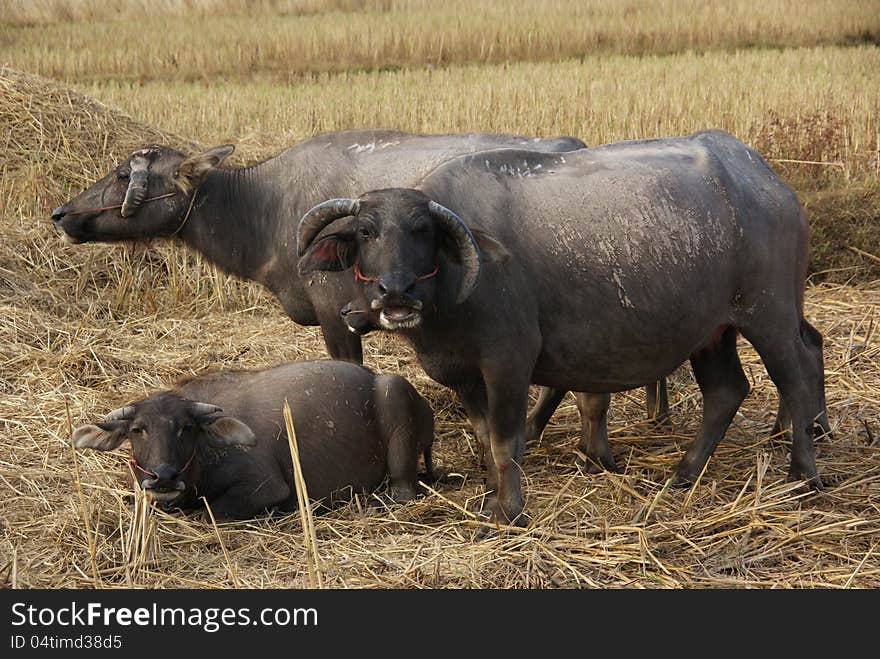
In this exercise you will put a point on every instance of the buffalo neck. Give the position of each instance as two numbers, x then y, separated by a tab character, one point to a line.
238	222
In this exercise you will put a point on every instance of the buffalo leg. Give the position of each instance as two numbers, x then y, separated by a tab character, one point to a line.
548	401
724	387
594	433
508	402
405	424
782	425
473	399
241	501
341	342
657	402
813	341
791	360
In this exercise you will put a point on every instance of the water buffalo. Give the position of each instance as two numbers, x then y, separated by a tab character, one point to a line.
594	271
592	408
222	436
240	218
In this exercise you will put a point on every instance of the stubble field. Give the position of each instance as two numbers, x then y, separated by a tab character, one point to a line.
84	329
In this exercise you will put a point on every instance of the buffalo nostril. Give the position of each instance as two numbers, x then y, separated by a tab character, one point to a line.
382	288
166	473
58	213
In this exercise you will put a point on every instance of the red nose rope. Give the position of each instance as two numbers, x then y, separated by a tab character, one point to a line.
359	276
110	208
148	472
192	201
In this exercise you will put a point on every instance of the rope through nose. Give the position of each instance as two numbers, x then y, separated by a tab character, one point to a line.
359	276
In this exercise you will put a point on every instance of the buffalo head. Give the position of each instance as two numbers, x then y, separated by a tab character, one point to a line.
147	195
404	247
165	432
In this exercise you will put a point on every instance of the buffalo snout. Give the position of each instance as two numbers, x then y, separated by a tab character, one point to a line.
166	474
168	483
396	285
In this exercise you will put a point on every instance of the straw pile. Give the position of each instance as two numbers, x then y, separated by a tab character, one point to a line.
85	328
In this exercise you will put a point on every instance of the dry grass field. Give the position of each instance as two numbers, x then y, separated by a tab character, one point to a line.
146	40
86	328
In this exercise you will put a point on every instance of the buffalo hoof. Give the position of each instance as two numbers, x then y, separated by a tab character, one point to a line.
533	433
593	465
822	432
494	527
663	422
401	493
683	479
812	482
440	475
393	497
483	506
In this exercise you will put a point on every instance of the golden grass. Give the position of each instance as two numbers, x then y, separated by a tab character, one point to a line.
44	128
743	526
815	112
816	104
83	328
55	143
177	40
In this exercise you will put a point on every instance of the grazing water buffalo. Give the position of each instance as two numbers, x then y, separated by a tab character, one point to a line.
240	218
593	271
222	436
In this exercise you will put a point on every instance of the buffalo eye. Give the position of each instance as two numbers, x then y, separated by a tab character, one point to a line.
137	431
365	233
420	228
122	174
185	428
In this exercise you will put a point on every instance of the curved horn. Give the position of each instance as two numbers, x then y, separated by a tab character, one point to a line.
137	186
204	409
466	244
121	414
320	216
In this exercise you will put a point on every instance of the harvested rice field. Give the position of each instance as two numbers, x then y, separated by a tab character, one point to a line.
87	328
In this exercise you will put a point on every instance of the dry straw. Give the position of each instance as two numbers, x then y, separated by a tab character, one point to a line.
305	509
98	326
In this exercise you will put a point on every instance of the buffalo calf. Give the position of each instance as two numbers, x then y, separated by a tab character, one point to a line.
221	437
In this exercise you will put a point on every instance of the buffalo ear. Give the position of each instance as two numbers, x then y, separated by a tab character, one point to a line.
490	249
228	431
104	436
192	171
336	251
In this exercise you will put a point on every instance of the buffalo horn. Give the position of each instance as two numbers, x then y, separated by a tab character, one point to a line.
137	186
121	414
466	244
204	409
319	217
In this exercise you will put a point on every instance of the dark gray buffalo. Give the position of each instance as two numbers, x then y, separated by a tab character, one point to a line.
593	408
594	271
222	436
240	218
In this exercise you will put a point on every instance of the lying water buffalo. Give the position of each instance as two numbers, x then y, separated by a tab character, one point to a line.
594	271
222	436
240	218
